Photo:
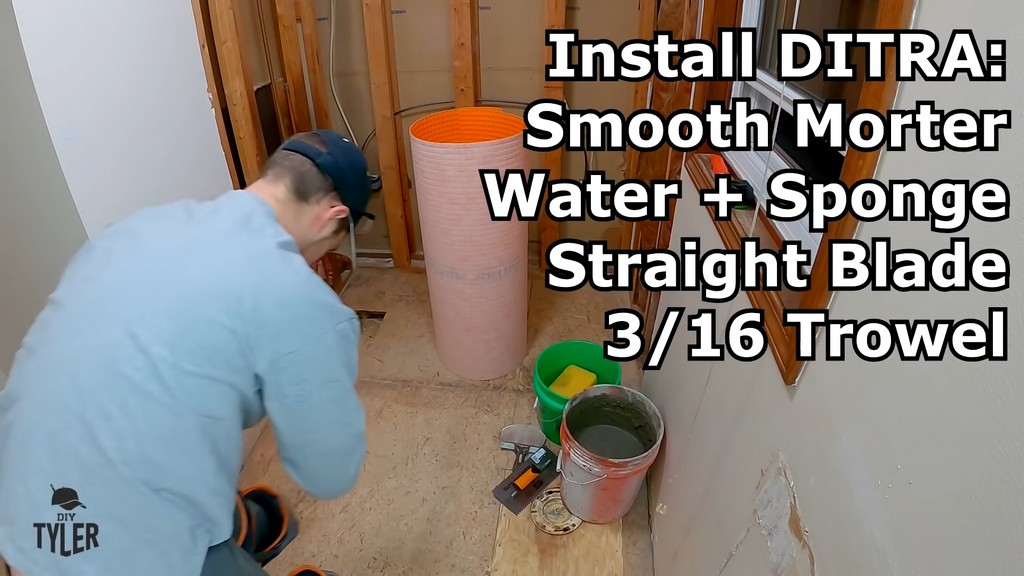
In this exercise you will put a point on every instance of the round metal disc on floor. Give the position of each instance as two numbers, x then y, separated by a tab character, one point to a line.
550	515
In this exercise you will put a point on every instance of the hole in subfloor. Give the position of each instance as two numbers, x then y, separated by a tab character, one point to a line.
370	320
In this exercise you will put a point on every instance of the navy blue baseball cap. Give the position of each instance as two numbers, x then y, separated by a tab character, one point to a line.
344	165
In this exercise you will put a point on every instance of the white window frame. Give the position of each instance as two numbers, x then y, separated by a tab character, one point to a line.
756	167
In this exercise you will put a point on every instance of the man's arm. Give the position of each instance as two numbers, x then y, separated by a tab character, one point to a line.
318	419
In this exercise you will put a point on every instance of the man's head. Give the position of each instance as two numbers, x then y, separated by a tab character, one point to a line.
314	182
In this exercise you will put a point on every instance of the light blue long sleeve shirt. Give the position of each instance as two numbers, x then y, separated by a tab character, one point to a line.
166	336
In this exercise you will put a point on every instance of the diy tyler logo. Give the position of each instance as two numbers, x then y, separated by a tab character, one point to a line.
65	536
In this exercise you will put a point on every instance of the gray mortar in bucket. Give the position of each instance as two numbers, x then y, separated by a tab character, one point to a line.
612	427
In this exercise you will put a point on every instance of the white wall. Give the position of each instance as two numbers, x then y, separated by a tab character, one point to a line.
898	468
104	111
123	91
39	226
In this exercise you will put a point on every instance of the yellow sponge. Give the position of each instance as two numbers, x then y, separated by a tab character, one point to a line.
572	381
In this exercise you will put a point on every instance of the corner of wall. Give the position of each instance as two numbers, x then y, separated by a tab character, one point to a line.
40	226
156	47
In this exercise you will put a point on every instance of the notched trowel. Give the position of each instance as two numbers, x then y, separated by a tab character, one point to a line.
534	468
520	488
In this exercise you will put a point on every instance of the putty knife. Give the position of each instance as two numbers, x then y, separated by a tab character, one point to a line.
522	439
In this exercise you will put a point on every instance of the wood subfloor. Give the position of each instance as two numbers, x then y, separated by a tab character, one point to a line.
423	503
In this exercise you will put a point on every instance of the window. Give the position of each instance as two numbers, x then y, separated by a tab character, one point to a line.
704	19
819	163
769	94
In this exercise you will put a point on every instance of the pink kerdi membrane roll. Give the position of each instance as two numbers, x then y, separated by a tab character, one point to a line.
477	268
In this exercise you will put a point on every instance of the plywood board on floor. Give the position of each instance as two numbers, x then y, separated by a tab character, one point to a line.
637	552
523	550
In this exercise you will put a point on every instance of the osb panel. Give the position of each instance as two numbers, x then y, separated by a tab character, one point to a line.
511	50
423	52
422	503
406	518
552	317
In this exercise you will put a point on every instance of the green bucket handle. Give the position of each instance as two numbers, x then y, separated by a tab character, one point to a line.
544	420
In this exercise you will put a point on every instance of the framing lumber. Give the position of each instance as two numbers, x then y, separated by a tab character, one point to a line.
646	19
291	61
466	51
403	162
376	19
241	99
279	85
306	11
682	91
214	88
859	165
547	229
877	95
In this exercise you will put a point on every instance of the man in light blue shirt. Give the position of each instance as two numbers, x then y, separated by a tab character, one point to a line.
121	422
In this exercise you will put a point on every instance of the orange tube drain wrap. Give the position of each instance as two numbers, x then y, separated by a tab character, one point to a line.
477	268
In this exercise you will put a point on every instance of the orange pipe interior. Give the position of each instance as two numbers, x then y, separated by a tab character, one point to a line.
467	126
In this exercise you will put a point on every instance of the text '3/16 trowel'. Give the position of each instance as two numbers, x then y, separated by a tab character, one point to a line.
527	480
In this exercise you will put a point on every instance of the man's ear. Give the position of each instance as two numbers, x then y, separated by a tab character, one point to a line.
337	212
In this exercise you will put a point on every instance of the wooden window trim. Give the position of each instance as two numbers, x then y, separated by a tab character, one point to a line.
548	229
859	165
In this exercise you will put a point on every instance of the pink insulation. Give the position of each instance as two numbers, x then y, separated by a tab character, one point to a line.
477	268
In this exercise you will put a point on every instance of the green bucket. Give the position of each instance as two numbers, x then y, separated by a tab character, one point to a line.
550	364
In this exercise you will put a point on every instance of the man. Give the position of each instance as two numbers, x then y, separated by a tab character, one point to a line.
121	423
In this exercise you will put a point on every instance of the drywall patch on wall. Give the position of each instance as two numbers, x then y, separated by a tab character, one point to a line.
852	428
778	517
777	520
